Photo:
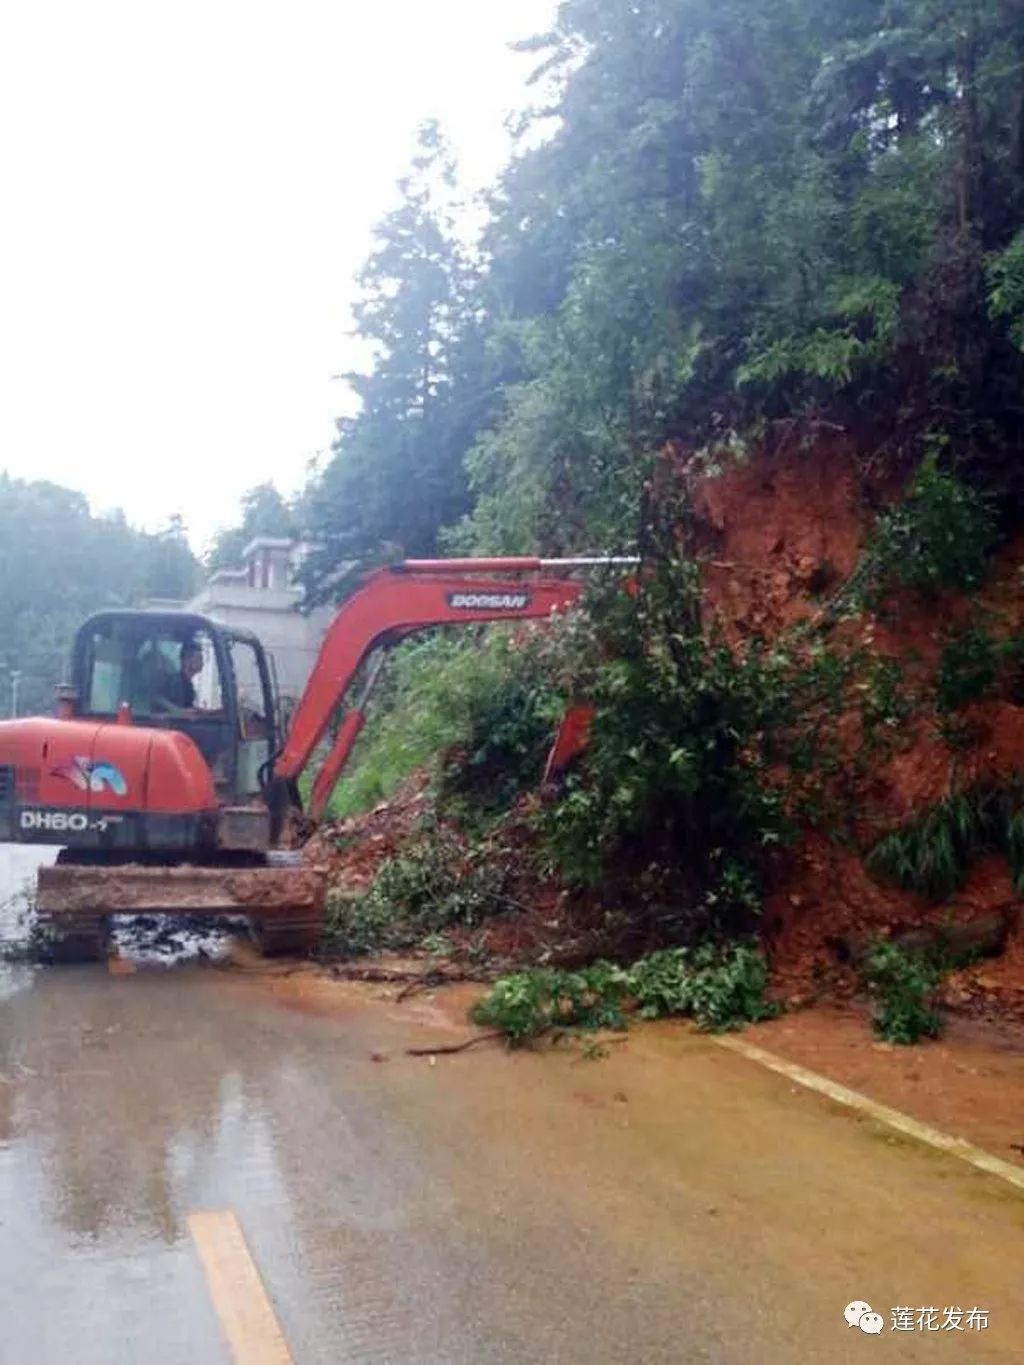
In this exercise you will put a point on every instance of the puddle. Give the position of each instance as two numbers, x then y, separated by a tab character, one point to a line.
163	941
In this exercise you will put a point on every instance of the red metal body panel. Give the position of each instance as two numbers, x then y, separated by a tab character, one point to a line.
323	785
179	779
571	740
85	764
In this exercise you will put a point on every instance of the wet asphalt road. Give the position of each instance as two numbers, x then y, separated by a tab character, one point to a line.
671	1202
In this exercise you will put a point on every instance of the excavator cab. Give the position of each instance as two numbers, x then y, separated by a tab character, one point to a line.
184	672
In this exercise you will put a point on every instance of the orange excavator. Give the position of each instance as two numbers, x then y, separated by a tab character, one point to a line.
166	776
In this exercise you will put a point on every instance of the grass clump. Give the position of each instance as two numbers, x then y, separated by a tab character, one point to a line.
903	984
718	987
932	854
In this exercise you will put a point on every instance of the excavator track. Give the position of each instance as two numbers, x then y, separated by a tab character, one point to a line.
283	904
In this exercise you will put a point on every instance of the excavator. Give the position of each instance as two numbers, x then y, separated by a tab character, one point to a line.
169	781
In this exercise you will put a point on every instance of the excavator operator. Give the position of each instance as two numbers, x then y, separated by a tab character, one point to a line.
175	693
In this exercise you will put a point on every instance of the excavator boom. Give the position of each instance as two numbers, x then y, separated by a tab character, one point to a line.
389	605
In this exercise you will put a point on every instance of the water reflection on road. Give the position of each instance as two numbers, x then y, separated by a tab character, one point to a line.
19	864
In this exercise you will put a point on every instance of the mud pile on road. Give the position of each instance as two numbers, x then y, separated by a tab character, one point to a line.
526	914
353	849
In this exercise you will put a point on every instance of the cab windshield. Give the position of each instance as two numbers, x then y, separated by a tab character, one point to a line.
160	670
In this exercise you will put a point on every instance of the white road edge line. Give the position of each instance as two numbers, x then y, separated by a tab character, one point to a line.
892	1118
236	1290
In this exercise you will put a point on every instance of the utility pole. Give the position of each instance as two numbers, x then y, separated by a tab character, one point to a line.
15	679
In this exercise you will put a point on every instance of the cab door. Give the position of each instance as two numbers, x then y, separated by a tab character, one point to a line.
254	700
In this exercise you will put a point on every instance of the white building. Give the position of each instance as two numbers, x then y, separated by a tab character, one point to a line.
262	596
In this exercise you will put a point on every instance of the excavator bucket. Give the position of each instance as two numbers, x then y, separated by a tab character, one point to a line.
283	905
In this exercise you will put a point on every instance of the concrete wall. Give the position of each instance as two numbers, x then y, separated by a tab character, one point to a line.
292	639
258	596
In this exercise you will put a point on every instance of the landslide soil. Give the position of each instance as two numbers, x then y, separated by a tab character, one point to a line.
778	537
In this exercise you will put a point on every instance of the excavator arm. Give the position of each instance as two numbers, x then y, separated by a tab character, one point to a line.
397	601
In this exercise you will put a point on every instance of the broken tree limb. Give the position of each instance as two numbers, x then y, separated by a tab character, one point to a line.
443	1049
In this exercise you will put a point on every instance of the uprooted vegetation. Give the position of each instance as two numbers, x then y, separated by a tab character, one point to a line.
718	987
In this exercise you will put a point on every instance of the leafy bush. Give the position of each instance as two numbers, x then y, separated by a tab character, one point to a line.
940	536
357	926
720	987
975	664
524	1005
1006	289
509	709
884	705
967	669
903	985
673	777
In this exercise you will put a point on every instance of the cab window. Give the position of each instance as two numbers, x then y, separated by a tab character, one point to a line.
160	670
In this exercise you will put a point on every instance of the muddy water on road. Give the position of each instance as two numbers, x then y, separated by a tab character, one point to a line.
668	1204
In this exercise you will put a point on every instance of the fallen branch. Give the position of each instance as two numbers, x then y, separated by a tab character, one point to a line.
446	1048
412	980
364	973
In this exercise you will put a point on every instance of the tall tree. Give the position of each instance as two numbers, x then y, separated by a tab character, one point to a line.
396	474
264	513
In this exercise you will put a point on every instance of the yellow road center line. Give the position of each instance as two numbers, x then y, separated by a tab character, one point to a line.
893	1118
236	1289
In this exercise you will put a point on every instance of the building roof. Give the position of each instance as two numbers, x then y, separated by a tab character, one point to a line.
268	543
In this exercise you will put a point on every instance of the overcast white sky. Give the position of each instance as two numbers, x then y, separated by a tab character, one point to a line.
187	191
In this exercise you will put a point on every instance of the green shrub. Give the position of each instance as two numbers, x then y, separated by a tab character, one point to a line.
940	536
903	984
967	670
974	664
884	705
357	926
476	707
525	1005
1006	288
508	710
673	775
720	987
